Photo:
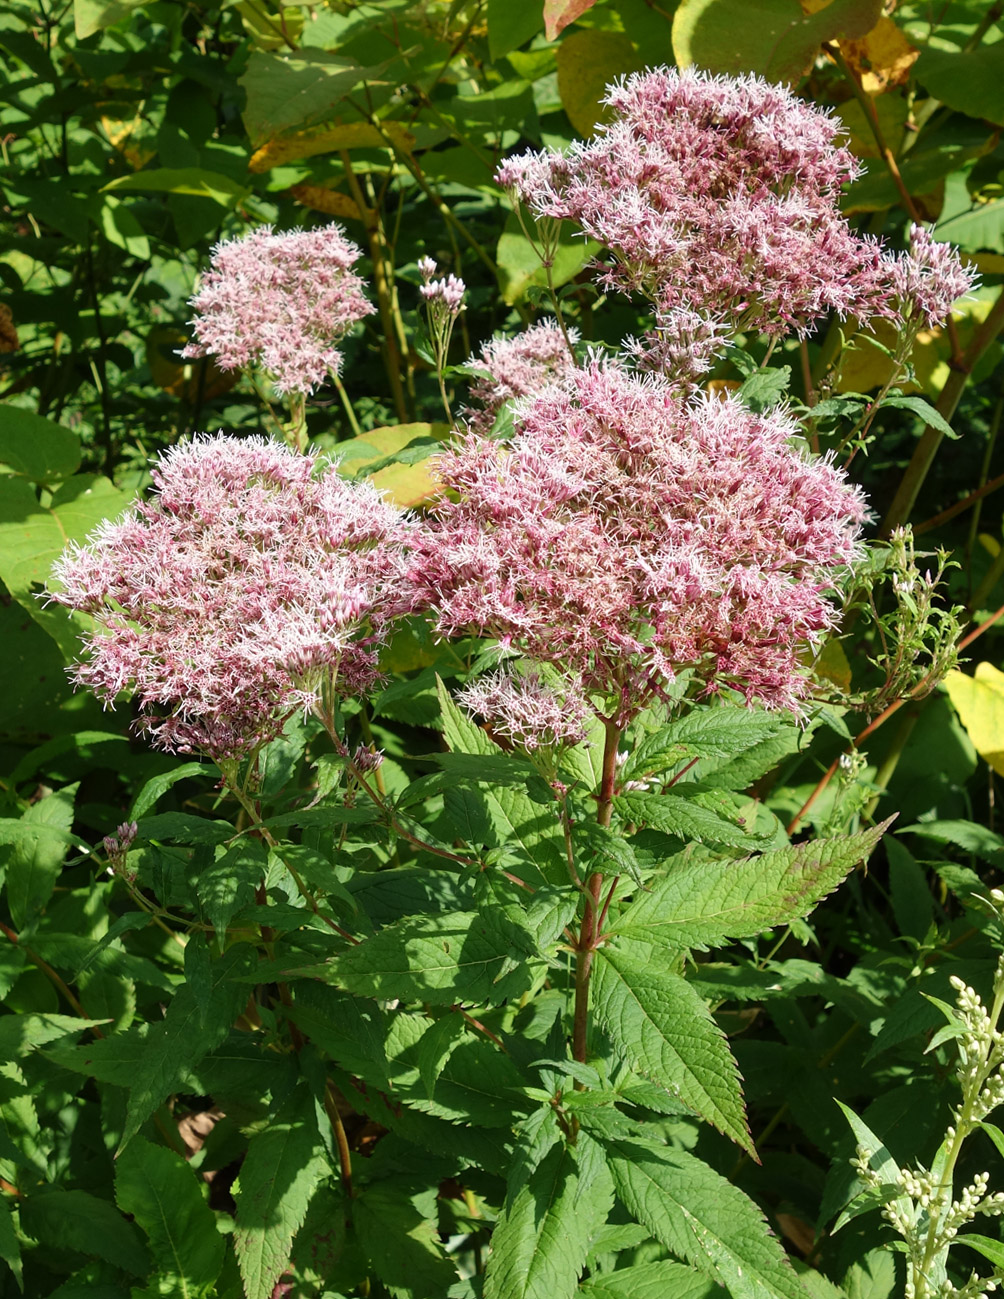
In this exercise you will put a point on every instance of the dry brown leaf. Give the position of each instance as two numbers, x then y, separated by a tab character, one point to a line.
321	199
8	333
329	139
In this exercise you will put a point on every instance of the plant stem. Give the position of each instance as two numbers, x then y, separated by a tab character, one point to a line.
589	931
350	413
341	1140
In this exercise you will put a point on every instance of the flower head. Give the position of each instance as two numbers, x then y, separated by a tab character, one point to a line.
519	367
928	280
282	301
716	195
627	533
526	710
251	582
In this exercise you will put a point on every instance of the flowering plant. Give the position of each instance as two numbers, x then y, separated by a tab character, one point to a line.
456	870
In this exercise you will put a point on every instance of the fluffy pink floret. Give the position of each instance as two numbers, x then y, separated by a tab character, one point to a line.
526	710
627	533
519	367
251	580
928	280
716	195
282	301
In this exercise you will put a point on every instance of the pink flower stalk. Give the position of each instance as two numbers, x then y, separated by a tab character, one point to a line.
627	533
282	301
520	367
525	710
928	280
716	195
253	583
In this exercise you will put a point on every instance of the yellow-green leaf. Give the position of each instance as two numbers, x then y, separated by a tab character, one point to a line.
979	702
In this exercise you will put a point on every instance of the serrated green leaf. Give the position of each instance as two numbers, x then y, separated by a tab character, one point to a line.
765	388
399	1234
157	786
162	1193
662	1280
36	858
683	817
712	732
666	1032
284	1164
435	1047
182	827
540	1242
707	903
20	1034
536	1136
77	1220
930	416
197	1020
438	959
10	1247
702	1218
228	885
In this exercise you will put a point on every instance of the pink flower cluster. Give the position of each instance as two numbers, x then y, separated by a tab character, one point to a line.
255	580
718	197
526	710
518	367
627	533
928	280
282	301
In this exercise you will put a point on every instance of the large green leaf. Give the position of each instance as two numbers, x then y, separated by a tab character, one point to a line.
971	81
705	904
713	732
663	1280
540	1242
284	1164
193	181
775	38
511	25
10	1246
161	1192
33	536
35	858
198	1018
666	1032
35	447
691	817
438	959
285	91
398	1230
83	1222
702	1218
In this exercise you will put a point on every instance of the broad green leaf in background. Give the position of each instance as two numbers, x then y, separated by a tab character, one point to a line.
284	1164
399	1234
979	702
80	1221
707	903
195	181
511	25
539	1244
35	859
10	1246
33	536
971	81
90	16
161	1192
666	1032
520	266
285	91
702	1218
588	61
774	38
662	1280
35	447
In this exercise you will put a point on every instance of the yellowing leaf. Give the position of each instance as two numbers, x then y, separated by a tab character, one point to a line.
588	61
832	665
329	139
979	702
882	58
406	485
125	137
321	199
181	378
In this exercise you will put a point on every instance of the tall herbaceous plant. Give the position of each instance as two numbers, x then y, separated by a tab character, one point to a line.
478	980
